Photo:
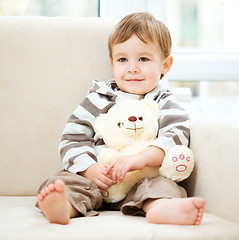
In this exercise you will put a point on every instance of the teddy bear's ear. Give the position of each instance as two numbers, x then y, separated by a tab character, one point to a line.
152	105
99	124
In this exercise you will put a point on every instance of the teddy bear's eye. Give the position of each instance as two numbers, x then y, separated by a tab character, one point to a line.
120	124
140	118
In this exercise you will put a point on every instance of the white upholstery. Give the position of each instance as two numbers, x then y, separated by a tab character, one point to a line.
24	221
46	68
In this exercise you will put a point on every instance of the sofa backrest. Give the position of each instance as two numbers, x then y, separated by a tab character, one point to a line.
46	67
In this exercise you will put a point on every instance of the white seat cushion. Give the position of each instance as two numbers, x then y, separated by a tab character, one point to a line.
20	219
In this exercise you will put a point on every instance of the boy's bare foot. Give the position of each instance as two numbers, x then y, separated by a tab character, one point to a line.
54	204
180	211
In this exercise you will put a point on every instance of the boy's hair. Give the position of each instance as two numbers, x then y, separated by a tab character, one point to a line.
146	28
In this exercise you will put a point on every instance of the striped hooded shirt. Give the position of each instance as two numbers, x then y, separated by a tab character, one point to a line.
80	144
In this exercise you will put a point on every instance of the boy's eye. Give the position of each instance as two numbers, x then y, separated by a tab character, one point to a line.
140	118
123	60
143	59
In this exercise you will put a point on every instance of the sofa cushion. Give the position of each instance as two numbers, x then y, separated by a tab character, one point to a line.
20	219
46	67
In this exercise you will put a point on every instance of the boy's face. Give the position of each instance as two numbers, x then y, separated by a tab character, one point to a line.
137	66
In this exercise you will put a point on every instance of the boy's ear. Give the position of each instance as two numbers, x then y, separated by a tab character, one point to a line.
167	64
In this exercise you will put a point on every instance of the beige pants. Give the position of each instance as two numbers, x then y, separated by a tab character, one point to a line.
86	198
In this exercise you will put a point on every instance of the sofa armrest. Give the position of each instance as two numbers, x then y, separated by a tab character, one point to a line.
214	141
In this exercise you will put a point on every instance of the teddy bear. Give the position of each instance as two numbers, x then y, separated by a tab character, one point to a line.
127	128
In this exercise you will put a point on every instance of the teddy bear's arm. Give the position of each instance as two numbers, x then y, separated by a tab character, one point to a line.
177	164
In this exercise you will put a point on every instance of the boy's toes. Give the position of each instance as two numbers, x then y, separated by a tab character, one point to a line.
48	190
198	220
199	202
51	187
43	193
40	197
59	185
199	216
201	212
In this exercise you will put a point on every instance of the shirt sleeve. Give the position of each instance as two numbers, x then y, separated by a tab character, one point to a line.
77	147
174	123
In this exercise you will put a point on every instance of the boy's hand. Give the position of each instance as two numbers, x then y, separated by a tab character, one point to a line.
149	157
124	164
96	173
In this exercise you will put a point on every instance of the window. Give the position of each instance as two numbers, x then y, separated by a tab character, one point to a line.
51	8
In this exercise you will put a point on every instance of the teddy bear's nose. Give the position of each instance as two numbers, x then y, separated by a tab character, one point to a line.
132	119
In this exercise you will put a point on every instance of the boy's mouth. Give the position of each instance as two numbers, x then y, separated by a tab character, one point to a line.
134	80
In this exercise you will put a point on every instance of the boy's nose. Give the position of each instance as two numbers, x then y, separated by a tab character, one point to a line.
133	68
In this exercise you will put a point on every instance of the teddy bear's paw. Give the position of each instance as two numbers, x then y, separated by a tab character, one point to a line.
178	164
111	197
118	191
105	194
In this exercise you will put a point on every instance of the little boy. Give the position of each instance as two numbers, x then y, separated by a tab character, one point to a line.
139	49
